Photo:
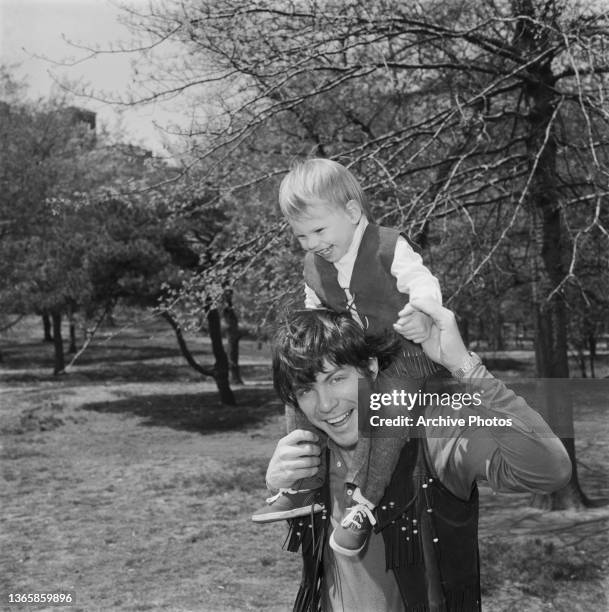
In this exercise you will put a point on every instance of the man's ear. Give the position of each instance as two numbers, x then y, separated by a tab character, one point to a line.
373	367
354	211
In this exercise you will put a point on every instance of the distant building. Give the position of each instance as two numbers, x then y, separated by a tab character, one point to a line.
82	115
134	151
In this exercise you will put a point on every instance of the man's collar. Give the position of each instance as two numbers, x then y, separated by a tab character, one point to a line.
340	450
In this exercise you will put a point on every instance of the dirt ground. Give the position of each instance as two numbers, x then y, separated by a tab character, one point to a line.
126	483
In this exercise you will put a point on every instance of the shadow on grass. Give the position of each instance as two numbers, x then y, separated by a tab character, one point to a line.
39	354
141	372
109	369
201	412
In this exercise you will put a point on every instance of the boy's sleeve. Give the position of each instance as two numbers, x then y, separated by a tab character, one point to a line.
311	299
413	278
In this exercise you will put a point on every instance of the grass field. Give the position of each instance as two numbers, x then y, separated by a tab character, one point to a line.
126	482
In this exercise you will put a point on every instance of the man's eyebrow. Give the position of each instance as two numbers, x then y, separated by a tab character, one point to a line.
297	386
329	373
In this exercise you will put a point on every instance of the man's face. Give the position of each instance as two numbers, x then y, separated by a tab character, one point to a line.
327	230
330	403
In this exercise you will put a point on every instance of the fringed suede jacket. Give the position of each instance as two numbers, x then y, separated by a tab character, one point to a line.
430	536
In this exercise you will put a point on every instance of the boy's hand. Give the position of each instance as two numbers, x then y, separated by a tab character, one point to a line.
445	345
296	456
413	324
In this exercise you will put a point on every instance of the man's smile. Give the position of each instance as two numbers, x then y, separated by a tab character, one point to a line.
339	420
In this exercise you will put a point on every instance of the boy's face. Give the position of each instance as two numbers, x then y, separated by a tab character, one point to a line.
330	402
327	230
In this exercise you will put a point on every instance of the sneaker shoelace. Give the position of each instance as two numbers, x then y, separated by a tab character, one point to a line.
273	498
356	515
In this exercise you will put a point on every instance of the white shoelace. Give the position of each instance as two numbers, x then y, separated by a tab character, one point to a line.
355	516
270	500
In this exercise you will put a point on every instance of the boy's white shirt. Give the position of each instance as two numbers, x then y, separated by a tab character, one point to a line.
412	277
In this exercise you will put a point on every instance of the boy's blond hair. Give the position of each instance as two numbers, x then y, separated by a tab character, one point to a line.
318	181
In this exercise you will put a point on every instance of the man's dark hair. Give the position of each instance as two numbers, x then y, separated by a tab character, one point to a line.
308	338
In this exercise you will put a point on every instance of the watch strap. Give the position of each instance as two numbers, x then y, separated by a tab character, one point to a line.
470	363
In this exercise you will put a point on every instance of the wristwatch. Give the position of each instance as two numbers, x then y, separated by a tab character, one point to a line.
470	363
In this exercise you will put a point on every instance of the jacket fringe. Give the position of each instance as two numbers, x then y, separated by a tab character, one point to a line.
309	534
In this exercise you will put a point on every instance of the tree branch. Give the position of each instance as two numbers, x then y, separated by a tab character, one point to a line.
206	371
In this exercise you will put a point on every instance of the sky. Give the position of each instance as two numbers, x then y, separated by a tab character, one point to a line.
33	28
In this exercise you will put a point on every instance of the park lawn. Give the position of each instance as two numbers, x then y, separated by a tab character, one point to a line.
126	482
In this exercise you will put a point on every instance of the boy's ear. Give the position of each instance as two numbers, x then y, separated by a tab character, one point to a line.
373	367
354	210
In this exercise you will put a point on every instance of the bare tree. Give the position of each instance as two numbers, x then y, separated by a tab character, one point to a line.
487	121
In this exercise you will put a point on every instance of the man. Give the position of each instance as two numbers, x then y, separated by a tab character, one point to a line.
424	554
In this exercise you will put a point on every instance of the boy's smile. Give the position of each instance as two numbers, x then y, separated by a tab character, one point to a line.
327	230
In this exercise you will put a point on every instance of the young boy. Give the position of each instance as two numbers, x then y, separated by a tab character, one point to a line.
352	265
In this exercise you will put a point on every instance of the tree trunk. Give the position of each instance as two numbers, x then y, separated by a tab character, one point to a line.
58	342
496	340
110	322
551	354
233	335
556	407
226	395
464	326
221	360
46	325
72	347
592	349
581	359
549	267
482	330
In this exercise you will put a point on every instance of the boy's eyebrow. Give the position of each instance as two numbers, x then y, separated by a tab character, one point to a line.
313	229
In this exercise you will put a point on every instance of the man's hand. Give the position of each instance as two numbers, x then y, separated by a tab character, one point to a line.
413	324
296	456
444	345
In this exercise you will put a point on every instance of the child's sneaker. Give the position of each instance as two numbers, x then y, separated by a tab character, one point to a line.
351	535
287	504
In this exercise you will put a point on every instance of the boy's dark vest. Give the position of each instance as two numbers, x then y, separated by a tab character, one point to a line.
374	290
430	536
